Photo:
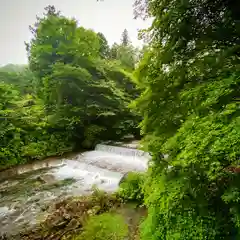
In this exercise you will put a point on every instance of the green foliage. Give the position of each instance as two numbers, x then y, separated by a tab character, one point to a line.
81	87
131	188
13	68
25	132
104	47
92	134
22	78
70	96
125	38
190	102
105	226
125	53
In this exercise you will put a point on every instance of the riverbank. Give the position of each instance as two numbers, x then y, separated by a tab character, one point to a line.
67	219
9	171
25	199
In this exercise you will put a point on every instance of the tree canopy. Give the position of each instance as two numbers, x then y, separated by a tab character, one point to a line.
190	103
184	85
72	94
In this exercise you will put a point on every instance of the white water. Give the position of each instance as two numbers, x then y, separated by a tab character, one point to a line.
103	167
135	153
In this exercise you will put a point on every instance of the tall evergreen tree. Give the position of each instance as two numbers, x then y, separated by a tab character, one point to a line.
125	40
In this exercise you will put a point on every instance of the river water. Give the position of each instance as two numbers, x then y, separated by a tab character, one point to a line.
29	190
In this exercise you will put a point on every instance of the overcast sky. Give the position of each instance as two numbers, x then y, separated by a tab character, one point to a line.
109	17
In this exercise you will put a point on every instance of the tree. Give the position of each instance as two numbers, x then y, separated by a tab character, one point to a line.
114	51
125	41
190	83
75	80
20	76
13	68
104	47
70	95
126	55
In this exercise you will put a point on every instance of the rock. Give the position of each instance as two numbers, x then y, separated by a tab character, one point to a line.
34	199
47	178
44	208
61	224
73	224
3	237
8	184
4	211
66	216
123	178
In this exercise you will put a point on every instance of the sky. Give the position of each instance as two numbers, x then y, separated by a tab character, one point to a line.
110	17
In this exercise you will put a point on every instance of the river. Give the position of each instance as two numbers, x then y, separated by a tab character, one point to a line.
27	192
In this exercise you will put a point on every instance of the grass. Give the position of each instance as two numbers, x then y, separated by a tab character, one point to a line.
104	226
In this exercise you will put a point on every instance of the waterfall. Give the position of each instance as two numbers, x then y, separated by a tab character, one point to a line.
122	151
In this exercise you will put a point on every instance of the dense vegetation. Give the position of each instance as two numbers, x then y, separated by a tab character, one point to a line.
131	188
190	80
74	92
106	225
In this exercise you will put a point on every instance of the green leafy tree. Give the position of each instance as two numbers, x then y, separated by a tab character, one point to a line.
13	68
125	53
21	77
79	87
70	95
113	51
25	130
104	47
127	56
190	83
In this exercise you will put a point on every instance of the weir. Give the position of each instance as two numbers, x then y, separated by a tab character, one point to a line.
38	184
123	151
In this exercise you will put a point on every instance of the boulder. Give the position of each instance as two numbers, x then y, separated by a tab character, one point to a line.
47	178
123	178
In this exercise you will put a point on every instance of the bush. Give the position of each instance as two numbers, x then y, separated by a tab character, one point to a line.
131	187
103	227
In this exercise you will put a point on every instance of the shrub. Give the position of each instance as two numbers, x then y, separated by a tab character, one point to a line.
131	187
103	227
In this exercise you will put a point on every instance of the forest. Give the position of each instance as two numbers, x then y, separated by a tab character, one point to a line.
180	94
75	92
